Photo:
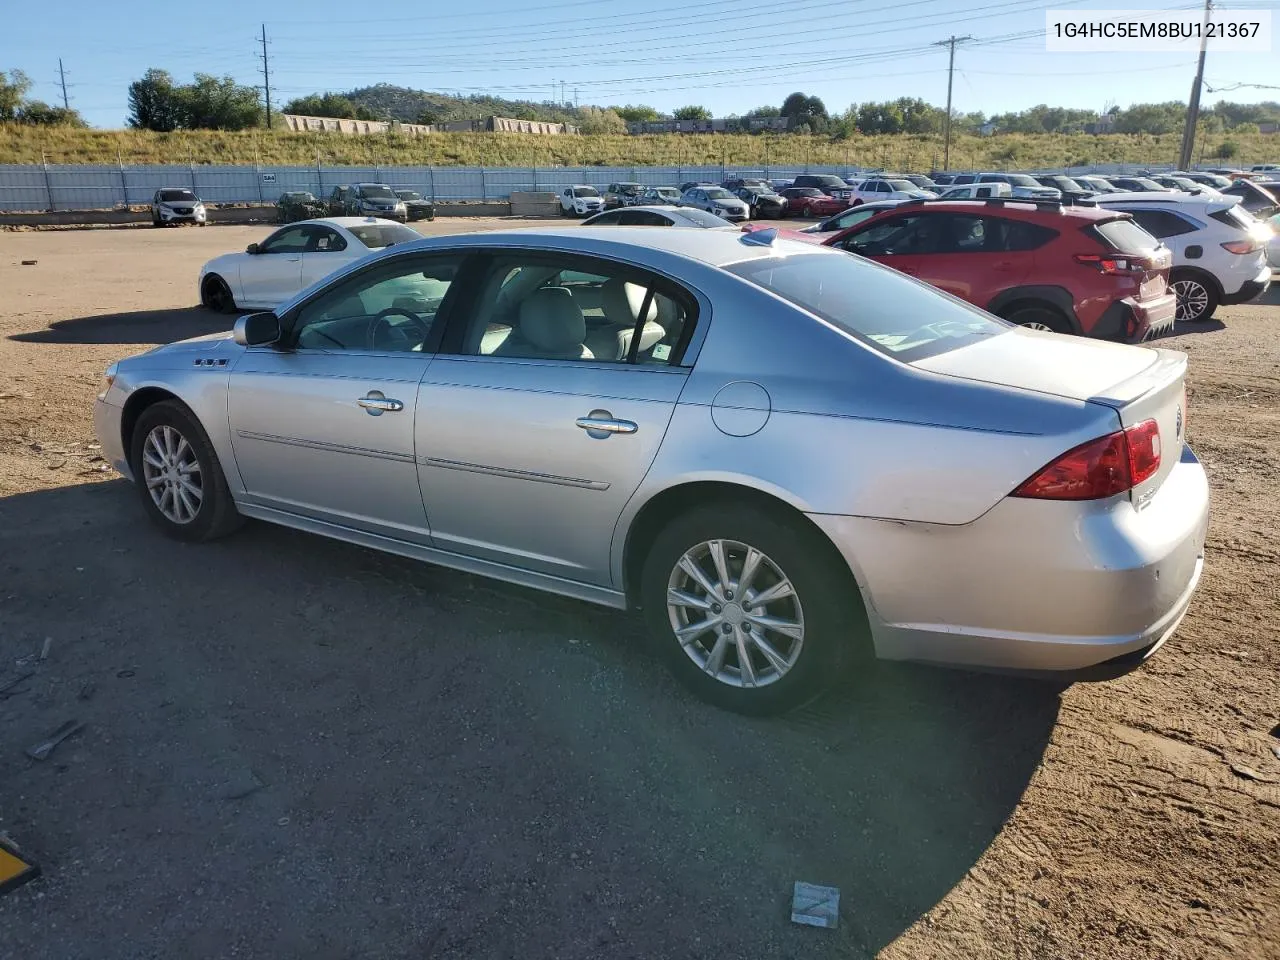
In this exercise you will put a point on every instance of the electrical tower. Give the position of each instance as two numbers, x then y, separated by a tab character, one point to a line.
266	76
946	122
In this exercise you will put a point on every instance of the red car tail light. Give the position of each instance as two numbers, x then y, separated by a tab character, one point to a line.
1115	266
1099	468
1241	246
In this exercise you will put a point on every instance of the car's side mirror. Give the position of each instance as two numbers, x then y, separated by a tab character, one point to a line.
251	248
257	329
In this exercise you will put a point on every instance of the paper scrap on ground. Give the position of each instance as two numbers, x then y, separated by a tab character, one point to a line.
815	906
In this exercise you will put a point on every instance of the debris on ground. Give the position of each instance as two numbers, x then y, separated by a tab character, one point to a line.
7	689
41	751
29	263
44	650
1248	773
815	906
15	868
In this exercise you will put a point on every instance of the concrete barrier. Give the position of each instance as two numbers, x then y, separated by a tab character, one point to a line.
265	213
531	204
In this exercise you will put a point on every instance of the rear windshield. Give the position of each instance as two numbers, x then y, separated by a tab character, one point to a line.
898	316
902	184
1126	236
1235	217
170	196
375	236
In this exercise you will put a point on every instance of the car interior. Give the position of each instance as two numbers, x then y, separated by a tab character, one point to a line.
535	311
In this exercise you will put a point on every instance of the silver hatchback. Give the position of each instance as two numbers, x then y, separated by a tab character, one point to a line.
788	457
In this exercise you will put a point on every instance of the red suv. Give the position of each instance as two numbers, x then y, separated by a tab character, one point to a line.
811	202
1069	269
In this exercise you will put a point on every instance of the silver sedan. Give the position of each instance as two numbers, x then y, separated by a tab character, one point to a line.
787	457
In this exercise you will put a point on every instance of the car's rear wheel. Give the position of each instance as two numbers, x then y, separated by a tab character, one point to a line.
178	475
749	610
216	295
1035	317
1197	300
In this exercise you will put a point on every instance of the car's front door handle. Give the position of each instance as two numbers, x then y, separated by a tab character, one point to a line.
600	423
376	403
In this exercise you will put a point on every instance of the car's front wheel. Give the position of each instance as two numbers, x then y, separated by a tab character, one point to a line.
1197	300
216	295
751	611
178	475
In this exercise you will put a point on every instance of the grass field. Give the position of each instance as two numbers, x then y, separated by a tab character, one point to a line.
24	144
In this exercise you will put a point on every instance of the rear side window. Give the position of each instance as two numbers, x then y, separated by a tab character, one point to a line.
1125	236
1020	236
1162	223
1233	217
375	236
892	313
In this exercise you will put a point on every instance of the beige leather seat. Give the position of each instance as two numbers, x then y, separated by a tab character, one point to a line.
621	302
551	328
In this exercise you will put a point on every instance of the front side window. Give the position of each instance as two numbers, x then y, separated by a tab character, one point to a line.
882	308
565	307
389	308
288	240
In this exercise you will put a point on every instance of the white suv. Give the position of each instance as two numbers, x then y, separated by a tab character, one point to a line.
888	188
580	201
1219	249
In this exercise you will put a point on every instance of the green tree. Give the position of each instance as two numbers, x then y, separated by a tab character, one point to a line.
13	90
153	102
802	110
39	113
1228	149
1156	118
594	120
691	113
213	103
636	114
324	105
764	112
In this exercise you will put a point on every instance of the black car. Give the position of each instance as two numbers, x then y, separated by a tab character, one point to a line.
416	206
734	184
299	205
762	201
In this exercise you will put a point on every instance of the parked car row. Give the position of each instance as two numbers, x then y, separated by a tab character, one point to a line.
379	200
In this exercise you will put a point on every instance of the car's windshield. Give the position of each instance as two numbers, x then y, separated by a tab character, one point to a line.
1147	183
701	218
874	304
375	191
718	193
806	192
170	196
408	195
300	197
667	192
1020	180
629	188
1065	183
375	236
585	192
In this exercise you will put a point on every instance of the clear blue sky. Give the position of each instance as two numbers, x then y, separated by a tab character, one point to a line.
729	55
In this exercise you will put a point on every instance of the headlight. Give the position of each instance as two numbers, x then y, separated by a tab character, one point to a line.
110	377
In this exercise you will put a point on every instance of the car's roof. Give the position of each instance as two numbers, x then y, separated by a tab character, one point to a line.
1177	197
1015	205
349	222
714	247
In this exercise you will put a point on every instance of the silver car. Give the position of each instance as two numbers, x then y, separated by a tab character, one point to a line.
787	457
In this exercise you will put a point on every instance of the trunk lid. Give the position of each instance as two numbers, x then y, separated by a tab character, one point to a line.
1139	383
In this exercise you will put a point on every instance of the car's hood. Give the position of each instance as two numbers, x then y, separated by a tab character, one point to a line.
211	344
726	202
587	200
1063	366
920	194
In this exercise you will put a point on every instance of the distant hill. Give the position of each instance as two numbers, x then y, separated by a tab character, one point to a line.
389	102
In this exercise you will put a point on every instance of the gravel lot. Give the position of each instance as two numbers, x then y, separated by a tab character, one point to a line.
298	748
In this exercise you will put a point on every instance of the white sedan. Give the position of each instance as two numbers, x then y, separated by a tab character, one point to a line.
291	259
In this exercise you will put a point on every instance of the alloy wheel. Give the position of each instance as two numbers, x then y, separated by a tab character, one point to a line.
172	474
1193	299
1036	325
735	613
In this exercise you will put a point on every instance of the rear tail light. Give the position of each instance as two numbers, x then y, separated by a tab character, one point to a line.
1241	246
1100	468
1115	266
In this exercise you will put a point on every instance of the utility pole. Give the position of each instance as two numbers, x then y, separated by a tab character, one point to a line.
266	75
946	122
62	78
1193	107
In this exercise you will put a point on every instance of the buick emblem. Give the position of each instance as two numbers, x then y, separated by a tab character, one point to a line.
1177	425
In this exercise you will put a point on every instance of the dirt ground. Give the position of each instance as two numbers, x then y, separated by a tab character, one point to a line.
295	747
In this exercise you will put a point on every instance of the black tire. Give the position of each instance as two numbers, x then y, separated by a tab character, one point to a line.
215	295
1197	296
829	608
216	515
1038	317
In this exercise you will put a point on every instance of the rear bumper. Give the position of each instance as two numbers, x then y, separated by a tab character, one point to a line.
1132	321
1251	289
1074	590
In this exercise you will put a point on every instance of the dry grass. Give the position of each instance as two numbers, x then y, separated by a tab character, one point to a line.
65	145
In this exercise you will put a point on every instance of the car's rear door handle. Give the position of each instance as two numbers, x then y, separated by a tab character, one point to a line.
376	403
602	423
